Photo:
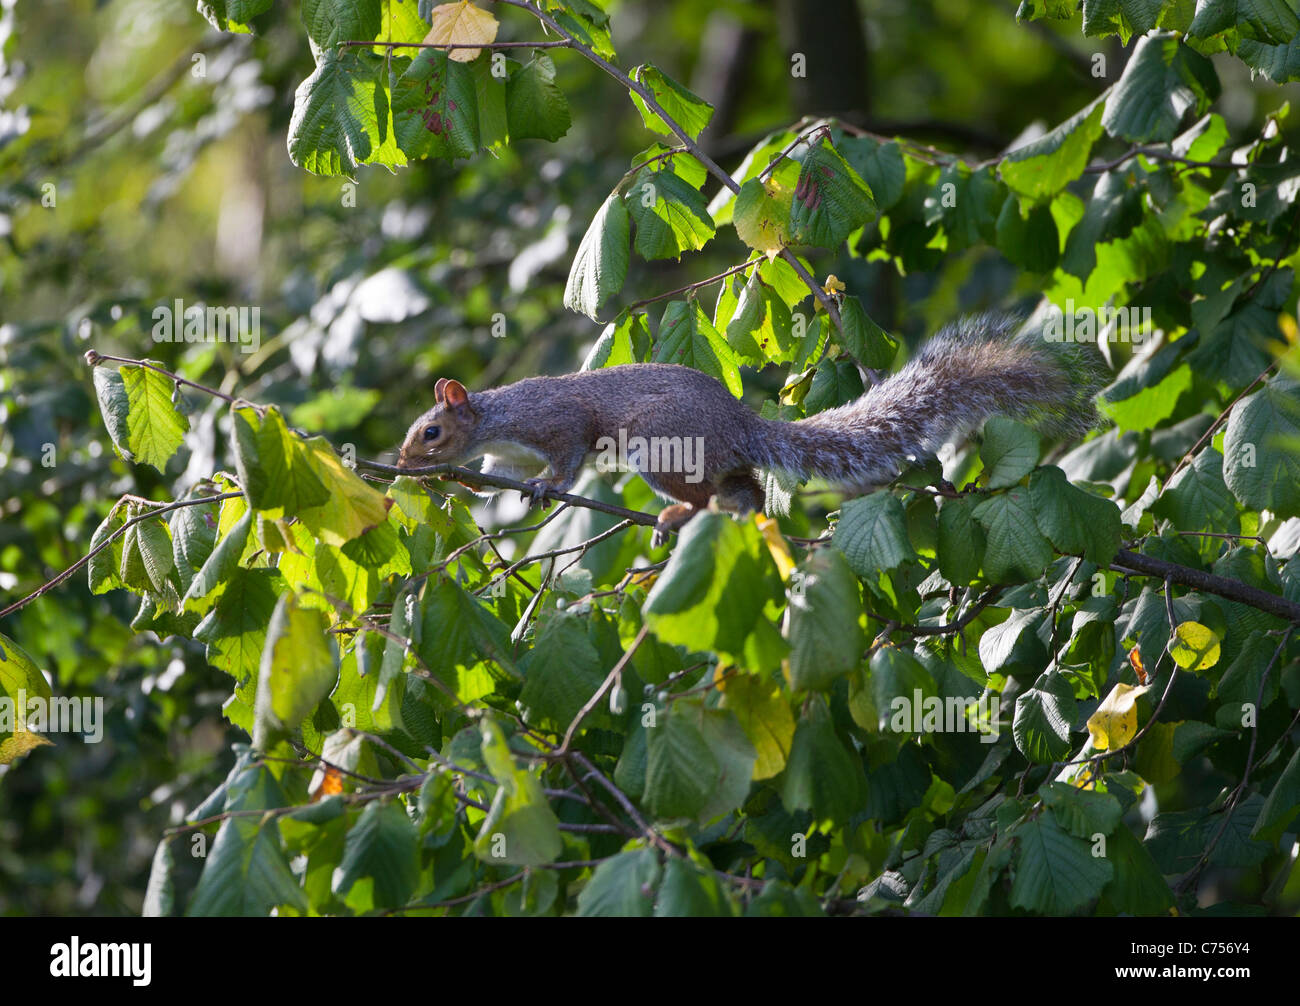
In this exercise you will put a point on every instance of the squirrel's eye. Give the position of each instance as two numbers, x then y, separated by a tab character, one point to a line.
430	433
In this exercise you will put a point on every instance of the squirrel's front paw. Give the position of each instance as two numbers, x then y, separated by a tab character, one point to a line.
538	487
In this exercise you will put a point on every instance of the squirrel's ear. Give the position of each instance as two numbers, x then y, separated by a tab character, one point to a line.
439	392
455	396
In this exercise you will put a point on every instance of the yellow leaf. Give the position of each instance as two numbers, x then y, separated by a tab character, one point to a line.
13	748
1194	646
461	23
765	717
834	285
796	387
1287	324
761	215
353	506
1115	721
776	544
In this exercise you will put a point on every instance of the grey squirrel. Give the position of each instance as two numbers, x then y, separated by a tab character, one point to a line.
970	370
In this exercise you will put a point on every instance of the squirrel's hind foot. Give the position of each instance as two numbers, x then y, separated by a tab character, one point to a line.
670	519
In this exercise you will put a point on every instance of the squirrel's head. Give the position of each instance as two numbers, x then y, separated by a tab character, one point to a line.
444	434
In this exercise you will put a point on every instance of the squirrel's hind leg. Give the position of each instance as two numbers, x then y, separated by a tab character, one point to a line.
740	493
691	498
736	492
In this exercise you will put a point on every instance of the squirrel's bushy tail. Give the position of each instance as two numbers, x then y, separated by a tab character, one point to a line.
979	366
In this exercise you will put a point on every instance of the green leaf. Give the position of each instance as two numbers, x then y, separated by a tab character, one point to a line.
20	681
18	672
1009	452
880	164
335	125
235	628
897	679
110	390
826	641
686	891
1032	10
681	770
520	828
1270	20
836	382
623	886
246	872
233	15
1197	499
600	266
670	214
1112	211
462	642
382	847
687	337
561	672
1043	718
297	670
872	534
731	749
221	563
1138	888
351	508
435	108
1054	873
102	569
961	540
689	111
1015	550
160	892
966	203
1083	813
999	642
1123	17
154	426
1278	63
822	775
585	21
1161	81
626	339
274	467
535	107
330	22
1028	237
1261	456
1282	805
870	344
1040	169
830	200
1074	520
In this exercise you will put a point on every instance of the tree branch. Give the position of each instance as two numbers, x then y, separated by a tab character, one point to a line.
162	509
474	480
1234	590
